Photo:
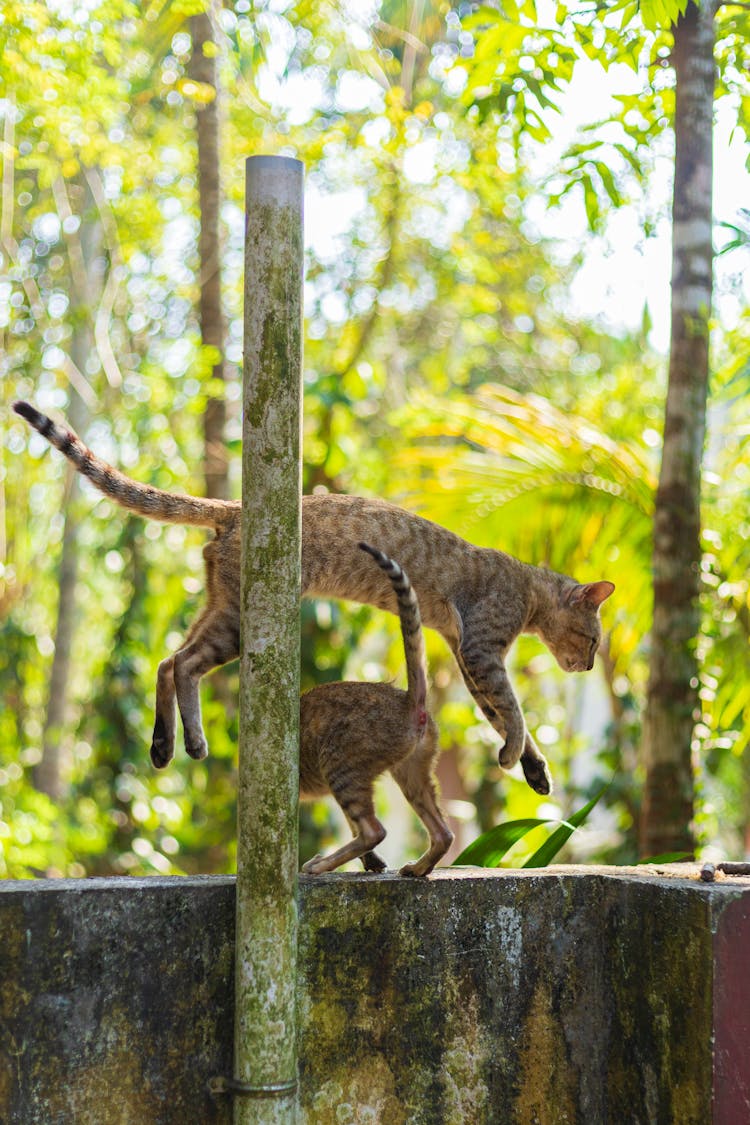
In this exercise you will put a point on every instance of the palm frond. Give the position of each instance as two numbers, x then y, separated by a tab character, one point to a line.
514	472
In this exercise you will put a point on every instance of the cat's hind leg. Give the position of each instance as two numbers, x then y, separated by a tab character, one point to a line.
414	776
162	743
359	811
371	861
370	833
212	642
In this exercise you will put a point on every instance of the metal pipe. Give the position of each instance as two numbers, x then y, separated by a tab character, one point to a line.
265	1067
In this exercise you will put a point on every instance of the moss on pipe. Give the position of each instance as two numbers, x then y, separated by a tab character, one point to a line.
265	969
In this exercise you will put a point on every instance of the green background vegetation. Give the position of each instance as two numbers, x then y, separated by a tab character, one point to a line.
444	369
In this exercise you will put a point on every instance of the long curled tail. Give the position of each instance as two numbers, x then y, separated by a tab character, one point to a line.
411	631
153	503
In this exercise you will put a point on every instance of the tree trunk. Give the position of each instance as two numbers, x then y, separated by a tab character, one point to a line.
672	701
203	70
83	249
49	773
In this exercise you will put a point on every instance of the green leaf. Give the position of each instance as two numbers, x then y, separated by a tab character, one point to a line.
489	848
629	14
632	160
661	13
591	201
482	17
552	845
608	182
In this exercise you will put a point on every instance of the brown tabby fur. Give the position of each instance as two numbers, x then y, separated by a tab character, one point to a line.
479	599
352	732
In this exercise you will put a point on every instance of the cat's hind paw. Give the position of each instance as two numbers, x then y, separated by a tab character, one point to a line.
372	862
315	866
162	751
198	749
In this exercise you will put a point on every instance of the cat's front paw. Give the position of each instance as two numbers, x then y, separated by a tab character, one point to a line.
536	772
511	751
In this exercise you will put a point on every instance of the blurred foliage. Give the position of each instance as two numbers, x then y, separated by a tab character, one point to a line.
517	69
443	369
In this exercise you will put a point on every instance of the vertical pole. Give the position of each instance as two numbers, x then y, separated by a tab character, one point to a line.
266	934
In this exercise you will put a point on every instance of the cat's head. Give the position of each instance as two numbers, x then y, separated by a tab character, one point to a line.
572	630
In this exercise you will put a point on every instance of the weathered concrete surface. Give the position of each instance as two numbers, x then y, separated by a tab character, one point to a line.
115	1000
569	995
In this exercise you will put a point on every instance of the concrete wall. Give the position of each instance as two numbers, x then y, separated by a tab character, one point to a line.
567	995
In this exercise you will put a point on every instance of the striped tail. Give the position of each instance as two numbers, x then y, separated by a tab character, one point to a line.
153	503
411	631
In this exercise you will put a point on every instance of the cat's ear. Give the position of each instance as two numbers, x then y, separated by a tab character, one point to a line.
592	592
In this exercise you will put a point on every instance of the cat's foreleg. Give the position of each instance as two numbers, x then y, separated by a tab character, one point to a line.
488	682
499	704
493	693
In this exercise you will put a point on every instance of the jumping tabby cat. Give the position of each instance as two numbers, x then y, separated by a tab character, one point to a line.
352	732
479	599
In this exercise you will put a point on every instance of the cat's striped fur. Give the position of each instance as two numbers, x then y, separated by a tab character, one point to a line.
479	599
350	733
143	499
